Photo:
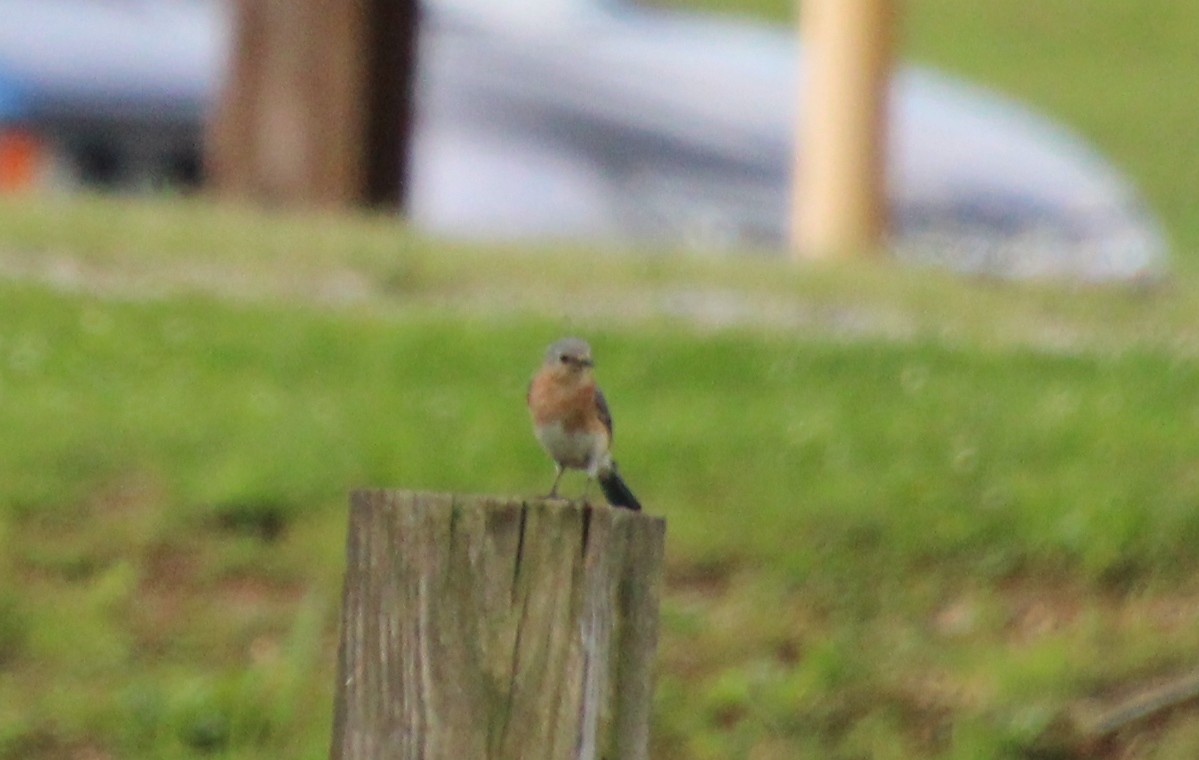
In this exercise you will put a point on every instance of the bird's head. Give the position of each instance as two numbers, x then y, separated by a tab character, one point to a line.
569	357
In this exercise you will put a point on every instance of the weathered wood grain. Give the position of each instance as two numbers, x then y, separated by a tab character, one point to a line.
497	629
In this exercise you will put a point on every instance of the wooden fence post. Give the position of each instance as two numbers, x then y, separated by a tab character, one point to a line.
481	628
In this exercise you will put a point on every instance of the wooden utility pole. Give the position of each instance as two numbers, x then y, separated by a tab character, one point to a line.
840	183
317	102
475	627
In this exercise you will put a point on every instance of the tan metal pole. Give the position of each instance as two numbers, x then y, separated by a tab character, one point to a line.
839	206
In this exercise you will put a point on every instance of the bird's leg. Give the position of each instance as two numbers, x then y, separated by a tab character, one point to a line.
553	494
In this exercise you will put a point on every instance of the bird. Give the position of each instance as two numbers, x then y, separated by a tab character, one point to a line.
572	422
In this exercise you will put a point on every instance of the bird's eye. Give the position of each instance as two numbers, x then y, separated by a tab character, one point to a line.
564	359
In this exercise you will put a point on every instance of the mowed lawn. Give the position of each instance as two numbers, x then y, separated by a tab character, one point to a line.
914	517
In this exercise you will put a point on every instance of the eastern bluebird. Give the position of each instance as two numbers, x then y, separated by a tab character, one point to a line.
572	422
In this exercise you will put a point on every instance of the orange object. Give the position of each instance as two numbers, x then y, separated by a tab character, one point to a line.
19	155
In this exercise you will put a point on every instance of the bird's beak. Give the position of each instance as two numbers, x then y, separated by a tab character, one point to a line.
586	363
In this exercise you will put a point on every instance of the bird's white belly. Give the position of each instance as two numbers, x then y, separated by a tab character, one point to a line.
577	449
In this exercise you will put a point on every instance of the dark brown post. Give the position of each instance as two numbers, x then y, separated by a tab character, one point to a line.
476	627
317	102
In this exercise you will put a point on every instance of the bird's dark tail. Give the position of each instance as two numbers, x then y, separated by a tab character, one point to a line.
617	492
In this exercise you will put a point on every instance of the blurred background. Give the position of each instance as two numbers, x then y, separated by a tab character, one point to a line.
935	502
571	119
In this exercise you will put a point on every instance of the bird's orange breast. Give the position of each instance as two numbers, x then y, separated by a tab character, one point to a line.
570	403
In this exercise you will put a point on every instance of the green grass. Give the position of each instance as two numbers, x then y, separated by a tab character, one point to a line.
1120	72
910	516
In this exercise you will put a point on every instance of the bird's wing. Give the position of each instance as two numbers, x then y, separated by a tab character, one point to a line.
601	408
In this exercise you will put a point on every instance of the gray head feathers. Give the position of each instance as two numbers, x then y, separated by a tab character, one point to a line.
568	350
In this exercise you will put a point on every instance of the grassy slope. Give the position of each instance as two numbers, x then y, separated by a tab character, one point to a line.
911	519
1120	72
